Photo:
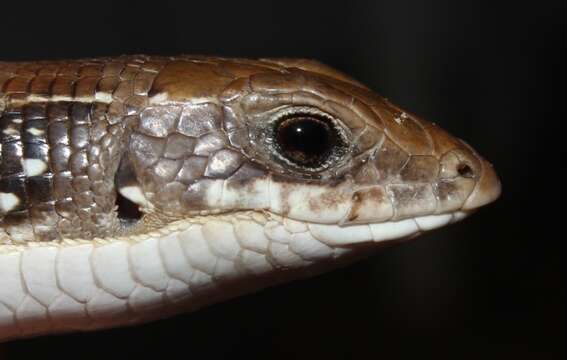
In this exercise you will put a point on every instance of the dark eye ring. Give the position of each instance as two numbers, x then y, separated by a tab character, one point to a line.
309	139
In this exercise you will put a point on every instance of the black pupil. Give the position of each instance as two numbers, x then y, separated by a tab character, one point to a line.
305	140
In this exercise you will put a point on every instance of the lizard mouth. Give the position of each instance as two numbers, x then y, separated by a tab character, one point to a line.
276	228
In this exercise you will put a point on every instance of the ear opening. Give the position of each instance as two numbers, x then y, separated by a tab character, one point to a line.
129	195
128	212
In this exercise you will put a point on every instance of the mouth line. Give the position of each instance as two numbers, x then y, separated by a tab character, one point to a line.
329	234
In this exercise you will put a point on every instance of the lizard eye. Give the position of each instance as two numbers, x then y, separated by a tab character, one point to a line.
309	139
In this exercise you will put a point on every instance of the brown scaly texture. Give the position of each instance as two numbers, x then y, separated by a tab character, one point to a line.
185	122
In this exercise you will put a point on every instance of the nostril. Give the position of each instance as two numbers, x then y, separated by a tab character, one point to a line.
465	170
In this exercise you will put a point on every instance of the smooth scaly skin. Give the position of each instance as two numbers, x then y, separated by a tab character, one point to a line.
187	138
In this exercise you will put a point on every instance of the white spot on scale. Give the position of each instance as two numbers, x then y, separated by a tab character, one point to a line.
134	194
8	201
100	97
36	98
10	131
34	167
103	97
35	132
400	119
17	121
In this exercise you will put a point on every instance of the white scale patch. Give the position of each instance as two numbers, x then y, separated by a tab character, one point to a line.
400	119
100	97
8	201
103	97
10	131
34	167
35	132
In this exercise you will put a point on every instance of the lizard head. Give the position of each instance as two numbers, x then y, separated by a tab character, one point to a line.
299	143
246	173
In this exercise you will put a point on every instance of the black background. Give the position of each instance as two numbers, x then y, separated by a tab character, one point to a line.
491	73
